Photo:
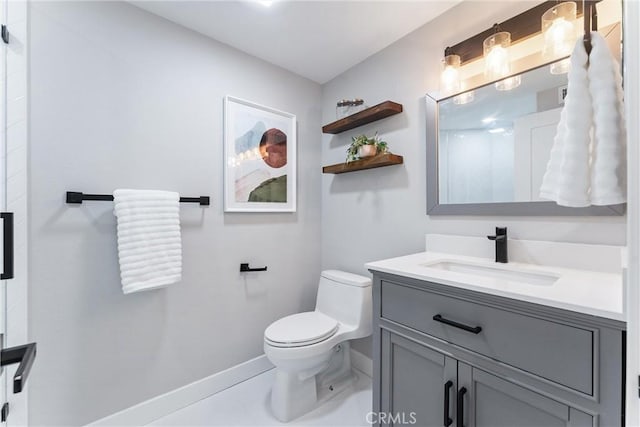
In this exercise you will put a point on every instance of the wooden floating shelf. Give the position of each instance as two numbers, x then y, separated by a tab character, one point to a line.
371	114
378	161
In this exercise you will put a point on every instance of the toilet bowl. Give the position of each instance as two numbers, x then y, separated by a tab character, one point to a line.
311	350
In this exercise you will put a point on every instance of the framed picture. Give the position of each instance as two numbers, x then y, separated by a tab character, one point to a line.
259	158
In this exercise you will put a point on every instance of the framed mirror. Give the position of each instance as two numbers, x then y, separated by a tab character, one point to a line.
488	156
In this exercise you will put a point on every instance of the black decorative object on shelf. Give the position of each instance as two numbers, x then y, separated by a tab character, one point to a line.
77	198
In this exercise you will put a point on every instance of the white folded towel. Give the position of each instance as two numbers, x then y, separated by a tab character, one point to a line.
609	164
566	180
588	157
149	244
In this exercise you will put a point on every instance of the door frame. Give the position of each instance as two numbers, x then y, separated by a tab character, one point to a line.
631	19
15	131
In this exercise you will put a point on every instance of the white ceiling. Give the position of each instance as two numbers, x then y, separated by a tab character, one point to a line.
315	39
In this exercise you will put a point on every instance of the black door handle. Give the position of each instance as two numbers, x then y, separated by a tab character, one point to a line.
7	245
447	388
460	407
22	354
472	329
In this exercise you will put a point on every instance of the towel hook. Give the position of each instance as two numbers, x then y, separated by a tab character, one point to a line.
590	14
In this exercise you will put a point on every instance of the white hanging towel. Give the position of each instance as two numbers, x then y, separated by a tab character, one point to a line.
149	244
609	156
567	178
588	158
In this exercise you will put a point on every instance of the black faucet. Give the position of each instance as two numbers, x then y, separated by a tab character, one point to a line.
501	244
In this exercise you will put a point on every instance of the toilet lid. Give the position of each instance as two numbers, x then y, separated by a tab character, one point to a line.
301	329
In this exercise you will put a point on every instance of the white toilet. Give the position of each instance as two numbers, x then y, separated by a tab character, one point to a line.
311	350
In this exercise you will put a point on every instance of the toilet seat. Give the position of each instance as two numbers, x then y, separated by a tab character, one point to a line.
300	329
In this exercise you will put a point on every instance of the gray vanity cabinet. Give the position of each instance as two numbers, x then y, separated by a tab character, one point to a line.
517	364
418	379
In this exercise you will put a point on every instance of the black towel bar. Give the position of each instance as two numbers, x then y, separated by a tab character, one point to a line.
77	197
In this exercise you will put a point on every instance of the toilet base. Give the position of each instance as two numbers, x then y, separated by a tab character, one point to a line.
293	394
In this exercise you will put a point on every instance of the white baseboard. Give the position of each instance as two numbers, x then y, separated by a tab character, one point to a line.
362	363
165	404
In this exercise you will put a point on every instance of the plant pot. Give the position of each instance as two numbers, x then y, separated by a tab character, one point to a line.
367	151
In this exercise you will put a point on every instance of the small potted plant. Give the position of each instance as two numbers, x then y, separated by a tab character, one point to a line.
363	146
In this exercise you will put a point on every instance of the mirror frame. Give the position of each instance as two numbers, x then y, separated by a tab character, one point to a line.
434	207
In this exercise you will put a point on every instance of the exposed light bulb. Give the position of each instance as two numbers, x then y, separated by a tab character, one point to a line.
450	76
559	38
496	55
559	30
497	62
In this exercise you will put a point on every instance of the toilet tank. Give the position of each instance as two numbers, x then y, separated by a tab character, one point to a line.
345	297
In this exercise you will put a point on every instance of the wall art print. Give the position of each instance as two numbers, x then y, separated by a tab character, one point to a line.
259	158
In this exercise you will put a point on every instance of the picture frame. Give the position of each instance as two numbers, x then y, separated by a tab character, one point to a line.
260	158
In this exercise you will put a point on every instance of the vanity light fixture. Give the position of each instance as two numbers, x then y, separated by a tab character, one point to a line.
558	28
496	54
450	75
553	19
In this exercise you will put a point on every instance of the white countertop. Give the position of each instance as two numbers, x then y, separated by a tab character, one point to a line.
589	292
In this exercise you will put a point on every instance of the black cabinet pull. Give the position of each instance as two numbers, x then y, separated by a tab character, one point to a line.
7	245
447	388
460	408
472	329
22	354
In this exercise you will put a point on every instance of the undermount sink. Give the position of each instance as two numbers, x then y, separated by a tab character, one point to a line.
509	273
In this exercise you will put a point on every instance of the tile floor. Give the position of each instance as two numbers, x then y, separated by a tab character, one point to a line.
247	404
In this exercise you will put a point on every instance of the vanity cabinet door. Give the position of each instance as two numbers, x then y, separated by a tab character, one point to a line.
414	379
491	401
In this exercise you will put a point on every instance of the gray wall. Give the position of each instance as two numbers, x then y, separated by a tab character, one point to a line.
381	213
121	98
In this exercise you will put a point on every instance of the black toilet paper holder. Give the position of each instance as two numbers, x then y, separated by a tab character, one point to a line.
244	267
